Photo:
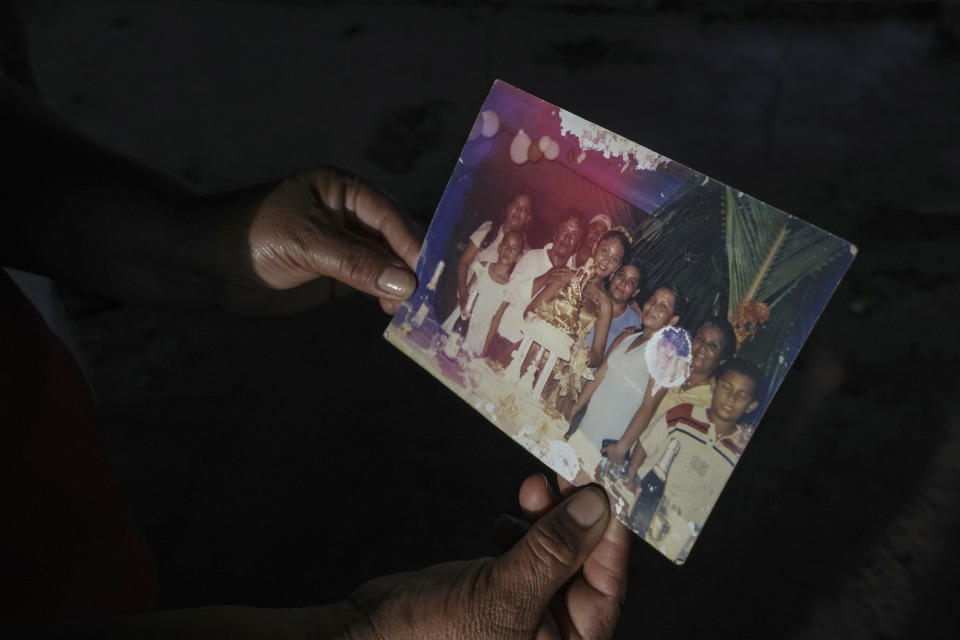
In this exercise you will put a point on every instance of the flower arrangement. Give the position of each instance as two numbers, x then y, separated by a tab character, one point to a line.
750	314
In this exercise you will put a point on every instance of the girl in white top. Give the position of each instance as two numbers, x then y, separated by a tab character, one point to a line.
490	281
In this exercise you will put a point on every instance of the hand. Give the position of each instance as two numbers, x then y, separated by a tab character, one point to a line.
559	273
639	455
462	296
566	578
320	233
547	278
616	452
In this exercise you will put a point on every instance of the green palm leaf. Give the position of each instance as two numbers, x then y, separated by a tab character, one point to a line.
776	259
770	253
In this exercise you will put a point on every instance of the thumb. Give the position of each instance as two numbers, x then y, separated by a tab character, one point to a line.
363	265
552	552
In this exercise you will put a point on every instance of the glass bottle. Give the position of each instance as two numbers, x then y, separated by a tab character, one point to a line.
651	488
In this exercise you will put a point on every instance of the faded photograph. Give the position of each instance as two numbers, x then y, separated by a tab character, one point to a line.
624	318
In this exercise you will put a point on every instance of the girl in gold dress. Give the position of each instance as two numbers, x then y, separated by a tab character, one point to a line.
564	312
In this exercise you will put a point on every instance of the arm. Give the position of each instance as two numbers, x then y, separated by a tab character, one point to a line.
466	291
494	325
601	330
638	424
545	294
79	213
225	622
552	275
570	568
463	266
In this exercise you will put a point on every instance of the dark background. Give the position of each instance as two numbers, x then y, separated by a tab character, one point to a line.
280	461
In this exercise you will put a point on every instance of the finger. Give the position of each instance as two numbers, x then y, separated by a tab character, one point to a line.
594	599
508	530
389	305
370	593
551	553
548	629
361	264
536	497
375	210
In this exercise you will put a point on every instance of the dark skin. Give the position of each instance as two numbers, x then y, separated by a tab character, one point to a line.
147	237
566	240
595	231
516	217
565	578
79	213
733	397
608	255
624	285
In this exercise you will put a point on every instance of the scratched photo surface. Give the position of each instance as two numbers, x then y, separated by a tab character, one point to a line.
622	317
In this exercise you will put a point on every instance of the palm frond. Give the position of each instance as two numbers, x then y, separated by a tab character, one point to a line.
769	252
777	259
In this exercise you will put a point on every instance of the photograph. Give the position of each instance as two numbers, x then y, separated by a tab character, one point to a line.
621	316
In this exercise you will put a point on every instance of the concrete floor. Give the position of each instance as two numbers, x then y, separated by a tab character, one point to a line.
268	465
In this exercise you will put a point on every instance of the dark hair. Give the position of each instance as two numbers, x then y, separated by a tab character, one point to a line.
745	368
678	302
495	228
619	235
729	335
576	214
523	238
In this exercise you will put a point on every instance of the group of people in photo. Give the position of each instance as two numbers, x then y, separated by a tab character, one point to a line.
581	303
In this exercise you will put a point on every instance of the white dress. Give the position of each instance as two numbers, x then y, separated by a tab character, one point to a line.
489	254
618	397
490	294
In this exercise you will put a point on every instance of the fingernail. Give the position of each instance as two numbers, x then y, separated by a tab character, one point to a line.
546	482
587	506
396	282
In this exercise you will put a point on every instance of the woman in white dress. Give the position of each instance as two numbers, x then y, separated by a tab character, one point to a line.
621	394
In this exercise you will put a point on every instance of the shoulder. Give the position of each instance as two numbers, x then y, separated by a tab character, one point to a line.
477	236
689	417
602	296
485	227
683	410
531	257
701	394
